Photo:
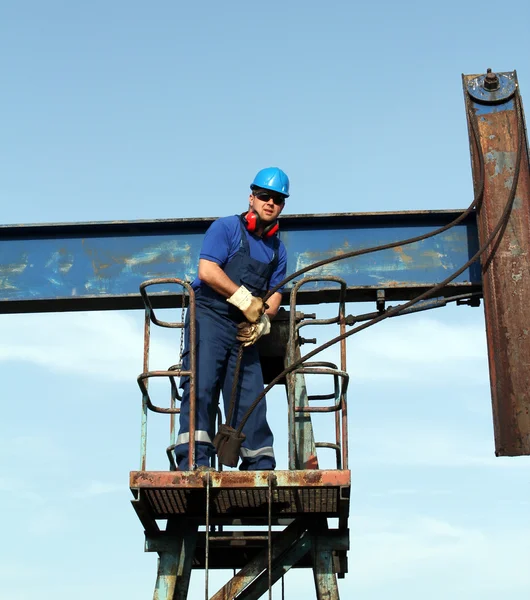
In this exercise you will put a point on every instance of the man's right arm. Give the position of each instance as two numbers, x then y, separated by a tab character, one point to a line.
212	274
251	306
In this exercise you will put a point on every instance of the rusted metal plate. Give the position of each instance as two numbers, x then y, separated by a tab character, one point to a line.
506	271
238	479
242	495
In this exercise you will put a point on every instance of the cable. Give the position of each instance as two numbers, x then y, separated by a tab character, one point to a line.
477	201
394	311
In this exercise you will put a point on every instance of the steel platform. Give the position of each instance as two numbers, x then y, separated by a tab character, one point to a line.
302	500
239	497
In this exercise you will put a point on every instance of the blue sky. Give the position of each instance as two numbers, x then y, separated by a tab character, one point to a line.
135	110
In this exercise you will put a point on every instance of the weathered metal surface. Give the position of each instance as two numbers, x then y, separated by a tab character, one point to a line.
94	266
237	555
238	479
302	449
325	579
265	580
166	577
244	502
172	372
144	514
175	563
491	87
242	495
506	277
325	558
302	445
254	567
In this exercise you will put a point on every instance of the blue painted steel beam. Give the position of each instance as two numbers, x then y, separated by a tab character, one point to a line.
95	266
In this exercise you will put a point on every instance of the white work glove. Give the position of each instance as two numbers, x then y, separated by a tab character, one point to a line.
251	306
249	333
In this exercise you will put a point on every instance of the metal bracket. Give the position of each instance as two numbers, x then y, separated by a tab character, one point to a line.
380	301
492	87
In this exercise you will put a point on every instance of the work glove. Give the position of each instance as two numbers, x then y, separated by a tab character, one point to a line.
251	306
249	333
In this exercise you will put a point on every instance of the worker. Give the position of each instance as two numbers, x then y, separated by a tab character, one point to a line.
241	259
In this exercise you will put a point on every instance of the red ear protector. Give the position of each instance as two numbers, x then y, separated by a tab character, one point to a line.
252	221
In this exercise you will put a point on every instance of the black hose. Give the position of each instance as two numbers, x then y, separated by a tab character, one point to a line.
501	225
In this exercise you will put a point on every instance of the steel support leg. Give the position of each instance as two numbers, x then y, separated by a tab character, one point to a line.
322	553
325	579
176	553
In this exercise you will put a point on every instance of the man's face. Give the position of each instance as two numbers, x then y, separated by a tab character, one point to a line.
268	205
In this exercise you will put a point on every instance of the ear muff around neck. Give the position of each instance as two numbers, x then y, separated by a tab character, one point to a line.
253	222
271	229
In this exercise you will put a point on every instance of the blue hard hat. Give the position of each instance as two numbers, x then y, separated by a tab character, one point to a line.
273	179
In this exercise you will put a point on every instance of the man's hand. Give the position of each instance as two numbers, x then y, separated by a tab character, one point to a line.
249	333
251	306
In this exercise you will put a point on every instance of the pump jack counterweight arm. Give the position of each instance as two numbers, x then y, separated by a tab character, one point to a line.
494	99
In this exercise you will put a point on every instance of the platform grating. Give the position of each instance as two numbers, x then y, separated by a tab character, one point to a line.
165	503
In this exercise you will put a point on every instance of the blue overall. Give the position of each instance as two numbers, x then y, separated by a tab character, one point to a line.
216	355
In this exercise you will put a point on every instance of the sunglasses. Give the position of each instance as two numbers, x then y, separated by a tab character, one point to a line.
265	196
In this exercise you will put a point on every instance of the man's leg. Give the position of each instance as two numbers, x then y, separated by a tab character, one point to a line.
256	452
210	364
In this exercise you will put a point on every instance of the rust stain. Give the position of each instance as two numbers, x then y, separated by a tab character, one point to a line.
505	283
404	257
312	462
238	479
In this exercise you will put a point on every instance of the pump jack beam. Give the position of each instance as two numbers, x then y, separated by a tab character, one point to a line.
506	271
100	266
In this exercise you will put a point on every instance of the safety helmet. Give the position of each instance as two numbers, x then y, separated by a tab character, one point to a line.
273	179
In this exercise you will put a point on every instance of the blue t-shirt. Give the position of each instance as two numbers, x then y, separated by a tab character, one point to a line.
221	243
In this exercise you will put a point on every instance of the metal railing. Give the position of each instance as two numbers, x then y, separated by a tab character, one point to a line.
300	408
172	372
299	400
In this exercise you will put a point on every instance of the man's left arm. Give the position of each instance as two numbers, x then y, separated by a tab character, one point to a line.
274	304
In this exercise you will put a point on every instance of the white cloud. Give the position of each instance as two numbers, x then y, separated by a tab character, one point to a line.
46	522
423	550
108	345
11	571
98	488
19	489
411	492
410	348
418	348
420	444
424	339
